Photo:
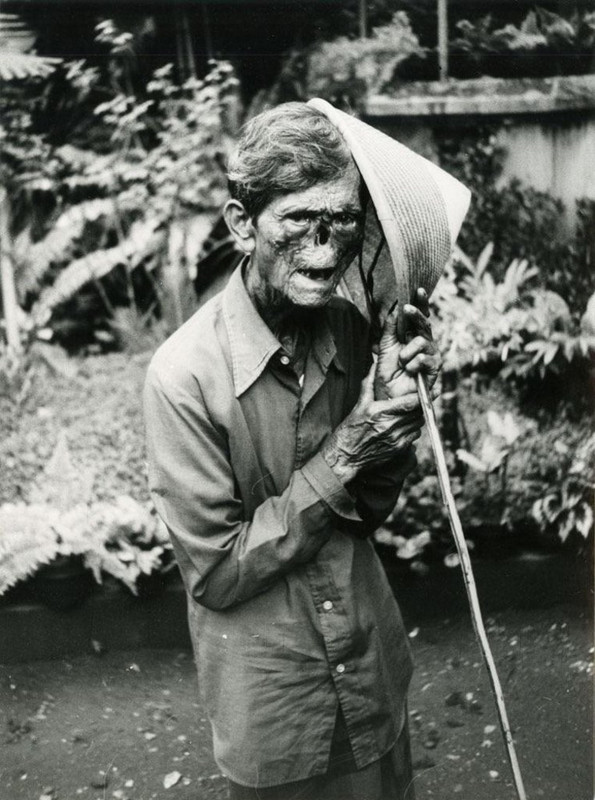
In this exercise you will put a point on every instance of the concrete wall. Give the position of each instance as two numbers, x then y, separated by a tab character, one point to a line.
547	126
553	155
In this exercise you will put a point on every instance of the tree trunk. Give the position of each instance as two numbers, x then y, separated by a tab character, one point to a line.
443	39
7	282
363	19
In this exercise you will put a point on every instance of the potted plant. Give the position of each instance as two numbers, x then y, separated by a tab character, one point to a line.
130	543
63	550
37	543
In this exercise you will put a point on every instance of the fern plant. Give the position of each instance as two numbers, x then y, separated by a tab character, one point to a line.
18	59
145	192
122	539
130	209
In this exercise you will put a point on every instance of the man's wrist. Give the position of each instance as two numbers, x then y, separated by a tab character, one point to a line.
338	461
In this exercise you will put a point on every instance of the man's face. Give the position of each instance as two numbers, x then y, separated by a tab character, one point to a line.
305	241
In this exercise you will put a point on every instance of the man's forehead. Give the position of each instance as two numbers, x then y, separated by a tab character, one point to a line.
342	192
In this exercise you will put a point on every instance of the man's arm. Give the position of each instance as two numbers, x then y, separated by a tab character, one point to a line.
226	559
376	492
377	488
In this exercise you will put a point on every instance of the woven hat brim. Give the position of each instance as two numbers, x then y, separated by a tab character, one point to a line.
418	206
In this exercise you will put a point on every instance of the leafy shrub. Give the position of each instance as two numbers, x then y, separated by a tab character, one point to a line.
122	539
524	332
544	44
500	499
98	402
520	221
566	509
344	70
130	212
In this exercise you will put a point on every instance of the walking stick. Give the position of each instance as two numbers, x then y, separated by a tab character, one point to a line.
419	210
463	551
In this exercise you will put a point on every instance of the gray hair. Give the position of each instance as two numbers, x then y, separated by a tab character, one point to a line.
285	149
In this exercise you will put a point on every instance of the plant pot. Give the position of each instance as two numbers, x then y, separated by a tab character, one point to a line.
19	594
154	584
149	586
62	584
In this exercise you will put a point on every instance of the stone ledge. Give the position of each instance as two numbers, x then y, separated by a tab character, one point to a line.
485	96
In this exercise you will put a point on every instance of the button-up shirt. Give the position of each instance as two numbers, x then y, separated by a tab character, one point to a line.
290	612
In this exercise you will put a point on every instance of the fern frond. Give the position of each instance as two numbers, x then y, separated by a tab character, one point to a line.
17	61
27	541
143	239
57	245
20	66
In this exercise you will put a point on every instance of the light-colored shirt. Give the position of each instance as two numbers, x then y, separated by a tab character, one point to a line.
290	611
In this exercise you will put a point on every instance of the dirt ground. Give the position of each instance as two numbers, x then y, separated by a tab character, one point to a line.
128	725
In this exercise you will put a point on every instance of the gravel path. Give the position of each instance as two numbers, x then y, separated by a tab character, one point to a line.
126	725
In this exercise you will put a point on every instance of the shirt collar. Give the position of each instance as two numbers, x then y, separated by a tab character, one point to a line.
252	343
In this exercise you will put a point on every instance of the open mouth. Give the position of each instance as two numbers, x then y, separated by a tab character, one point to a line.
317	274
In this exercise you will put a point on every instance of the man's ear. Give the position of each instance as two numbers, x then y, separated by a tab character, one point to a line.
240	225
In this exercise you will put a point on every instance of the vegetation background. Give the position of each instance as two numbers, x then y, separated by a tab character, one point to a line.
115	124
112	174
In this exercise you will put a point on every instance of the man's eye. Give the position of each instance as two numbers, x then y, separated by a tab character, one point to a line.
300	217
346	219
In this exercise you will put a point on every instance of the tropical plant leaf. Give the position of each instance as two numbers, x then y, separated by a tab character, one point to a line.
15	34
537	513
552	507
20	66
492	452
57	245
566	523
583	521
143	239
472	461
27	541
484	258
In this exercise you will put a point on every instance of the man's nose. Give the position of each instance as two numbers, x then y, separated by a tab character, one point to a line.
323	233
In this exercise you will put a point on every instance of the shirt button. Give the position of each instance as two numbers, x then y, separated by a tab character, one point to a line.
328	605
340	668
284	360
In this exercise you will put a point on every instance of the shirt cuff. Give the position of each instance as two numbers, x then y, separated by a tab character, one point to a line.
329	488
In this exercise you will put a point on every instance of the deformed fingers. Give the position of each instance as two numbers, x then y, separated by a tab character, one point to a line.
417	322
406	424
409	431
398	406
419	344
422	301
423	363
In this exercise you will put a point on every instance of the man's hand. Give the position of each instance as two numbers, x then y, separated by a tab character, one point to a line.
374	432
398	364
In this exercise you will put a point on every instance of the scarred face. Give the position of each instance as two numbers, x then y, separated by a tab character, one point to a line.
302	243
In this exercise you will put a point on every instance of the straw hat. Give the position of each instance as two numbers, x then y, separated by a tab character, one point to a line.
410	231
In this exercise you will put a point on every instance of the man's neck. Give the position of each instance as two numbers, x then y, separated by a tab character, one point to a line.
286	320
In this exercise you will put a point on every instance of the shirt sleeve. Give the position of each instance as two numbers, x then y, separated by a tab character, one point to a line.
376	491
224	558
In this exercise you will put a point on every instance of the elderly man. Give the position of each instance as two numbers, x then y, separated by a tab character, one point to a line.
276	445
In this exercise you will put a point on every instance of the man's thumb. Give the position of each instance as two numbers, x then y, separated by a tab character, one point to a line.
367	390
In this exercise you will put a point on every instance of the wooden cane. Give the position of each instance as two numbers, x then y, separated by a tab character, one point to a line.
463	551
